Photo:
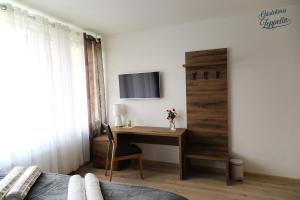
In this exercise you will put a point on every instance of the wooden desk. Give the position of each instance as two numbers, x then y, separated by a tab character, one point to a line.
154	135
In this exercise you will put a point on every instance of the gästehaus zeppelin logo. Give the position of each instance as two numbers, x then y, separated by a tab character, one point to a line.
271	19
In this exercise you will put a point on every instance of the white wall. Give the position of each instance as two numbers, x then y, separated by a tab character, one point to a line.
264	82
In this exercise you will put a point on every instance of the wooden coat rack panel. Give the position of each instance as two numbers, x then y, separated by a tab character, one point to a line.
206	96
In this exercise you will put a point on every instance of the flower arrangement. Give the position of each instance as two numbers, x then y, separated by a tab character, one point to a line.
171	114
171	117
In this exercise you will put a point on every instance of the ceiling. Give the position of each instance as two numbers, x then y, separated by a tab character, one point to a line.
117	16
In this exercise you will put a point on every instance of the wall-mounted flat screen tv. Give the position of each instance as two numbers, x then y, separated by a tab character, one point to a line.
139	85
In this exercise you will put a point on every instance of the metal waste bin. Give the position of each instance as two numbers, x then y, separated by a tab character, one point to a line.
237	169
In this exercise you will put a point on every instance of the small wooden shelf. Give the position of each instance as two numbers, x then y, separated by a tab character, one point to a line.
221	156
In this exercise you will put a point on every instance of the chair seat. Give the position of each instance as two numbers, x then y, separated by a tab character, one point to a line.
127	150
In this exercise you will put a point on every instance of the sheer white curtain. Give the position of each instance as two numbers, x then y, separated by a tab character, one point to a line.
43	100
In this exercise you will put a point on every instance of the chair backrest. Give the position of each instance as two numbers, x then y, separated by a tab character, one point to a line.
109	133
110	139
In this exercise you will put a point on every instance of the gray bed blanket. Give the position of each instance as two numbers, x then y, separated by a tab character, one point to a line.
55	187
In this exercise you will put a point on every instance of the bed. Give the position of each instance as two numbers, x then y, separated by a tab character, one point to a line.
51	186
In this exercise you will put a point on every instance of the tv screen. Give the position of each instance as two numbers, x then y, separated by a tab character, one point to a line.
139	85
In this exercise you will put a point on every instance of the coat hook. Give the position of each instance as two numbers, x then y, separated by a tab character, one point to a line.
218	73
194	76
205	75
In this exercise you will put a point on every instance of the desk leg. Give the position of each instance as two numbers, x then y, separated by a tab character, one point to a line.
181	156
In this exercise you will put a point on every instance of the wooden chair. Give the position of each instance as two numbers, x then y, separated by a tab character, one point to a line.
117	153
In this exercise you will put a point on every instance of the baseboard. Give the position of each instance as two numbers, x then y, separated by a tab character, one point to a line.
278	178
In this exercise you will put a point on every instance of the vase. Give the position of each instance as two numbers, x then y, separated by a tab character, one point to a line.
172	125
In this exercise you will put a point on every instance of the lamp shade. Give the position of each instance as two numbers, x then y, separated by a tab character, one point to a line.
118	109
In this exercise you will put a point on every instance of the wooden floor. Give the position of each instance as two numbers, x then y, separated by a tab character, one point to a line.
208	186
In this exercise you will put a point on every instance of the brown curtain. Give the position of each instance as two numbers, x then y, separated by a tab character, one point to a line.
95	84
